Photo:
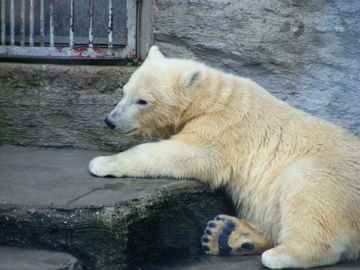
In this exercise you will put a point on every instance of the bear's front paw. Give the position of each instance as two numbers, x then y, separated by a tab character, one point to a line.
101	166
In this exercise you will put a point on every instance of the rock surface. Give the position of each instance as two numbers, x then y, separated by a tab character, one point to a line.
304	52
32	259
61	106
48	200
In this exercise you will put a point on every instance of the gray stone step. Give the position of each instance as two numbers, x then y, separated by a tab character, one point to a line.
48	200
33	259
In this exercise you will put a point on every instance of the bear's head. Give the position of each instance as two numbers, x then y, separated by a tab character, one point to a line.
156	96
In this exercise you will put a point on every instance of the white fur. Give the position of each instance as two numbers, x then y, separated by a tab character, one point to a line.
296	177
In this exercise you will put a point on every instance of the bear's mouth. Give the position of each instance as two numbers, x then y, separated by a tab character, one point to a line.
127	132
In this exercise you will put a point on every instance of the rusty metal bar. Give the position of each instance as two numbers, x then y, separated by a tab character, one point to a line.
71	26
42	23
91	17
31	23
12	23
52	3
110	26
131	27
3	29
22	28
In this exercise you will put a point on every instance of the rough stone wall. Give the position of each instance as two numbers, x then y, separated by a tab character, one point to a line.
61	106
304	52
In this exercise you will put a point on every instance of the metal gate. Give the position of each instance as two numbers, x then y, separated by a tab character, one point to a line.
74	29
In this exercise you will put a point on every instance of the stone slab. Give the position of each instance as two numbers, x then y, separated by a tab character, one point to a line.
32	259
48	200
59	178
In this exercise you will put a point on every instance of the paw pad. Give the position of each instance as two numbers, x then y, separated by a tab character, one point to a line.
206	249
224	236
224	248
247	246
205	240
212	225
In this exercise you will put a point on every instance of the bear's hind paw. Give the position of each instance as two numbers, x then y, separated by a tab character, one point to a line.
226	235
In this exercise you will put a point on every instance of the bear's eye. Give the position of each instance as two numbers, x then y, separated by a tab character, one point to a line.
141	102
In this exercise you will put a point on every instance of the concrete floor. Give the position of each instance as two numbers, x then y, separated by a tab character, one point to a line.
249	262
32	259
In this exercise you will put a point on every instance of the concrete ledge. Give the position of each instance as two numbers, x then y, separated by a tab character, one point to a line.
32	259
49	200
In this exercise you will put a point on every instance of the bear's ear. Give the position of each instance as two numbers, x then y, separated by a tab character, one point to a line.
154	53
190	78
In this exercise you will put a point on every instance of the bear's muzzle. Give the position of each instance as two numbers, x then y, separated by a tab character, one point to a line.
109	123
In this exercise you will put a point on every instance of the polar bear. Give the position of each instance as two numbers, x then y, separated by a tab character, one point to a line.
294	178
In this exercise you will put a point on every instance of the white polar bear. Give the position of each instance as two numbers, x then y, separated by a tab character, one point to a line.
296	177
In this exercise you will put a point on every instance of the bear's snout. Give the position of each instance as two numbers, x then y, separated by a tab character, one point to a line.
109	123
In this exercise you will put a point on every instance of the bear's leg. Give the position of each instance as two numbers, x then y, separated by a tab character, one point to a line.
167	158
314	232
226	235
293	254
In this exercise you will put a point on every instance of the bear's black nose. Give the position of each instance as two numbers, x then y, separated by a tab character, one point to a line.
109	123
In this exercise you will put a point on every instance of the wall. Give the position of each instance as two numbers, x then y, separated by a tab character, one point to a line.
61	105
305	52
